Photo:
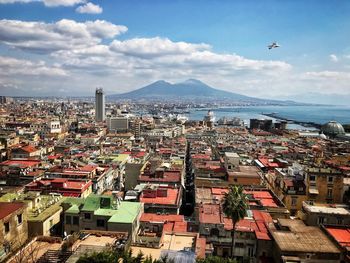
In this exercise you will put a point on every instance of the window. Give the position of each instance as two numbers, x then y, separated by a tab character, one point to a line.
250	251
7	227
19	219
76	220
339	221
239	244
87	216
51	223
312	178
329	192
320	220
68	220
294	201
100	223
214	232
330	179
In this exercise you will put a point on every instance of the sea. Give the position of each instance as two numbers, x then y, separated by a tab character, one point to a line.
319	114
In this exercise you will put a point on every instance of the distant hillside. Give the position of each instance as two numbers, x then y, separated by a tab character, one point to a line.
188	90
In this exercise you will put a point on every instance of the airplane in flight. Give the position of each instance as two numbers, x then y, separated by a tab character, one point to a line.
273	45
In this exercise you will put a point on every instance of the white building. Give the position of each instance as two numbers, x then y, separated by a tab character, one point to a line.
54	127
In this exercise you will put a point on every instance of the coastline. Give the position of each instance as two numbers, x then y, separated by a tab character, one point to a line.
308	124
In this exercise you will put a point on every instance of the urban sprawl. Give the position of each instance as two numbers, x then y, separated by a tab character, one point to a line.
77	177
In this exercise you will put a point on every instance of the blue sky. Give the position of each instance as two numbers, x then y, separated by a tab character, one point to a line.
222	43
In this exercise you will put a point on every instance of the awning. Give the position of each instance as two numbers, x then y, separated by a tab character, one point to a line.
313	191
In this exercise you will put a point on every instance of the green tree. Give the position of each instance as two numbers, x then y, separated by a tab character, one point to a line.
112	256
99	257
235	206
216	259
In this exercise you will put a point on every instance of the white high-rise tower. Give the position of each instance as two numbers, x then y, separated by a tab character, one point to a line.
100	105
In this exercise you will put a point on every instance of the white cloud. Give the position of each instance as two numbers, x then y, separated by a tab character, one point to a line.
155	47
12	66
17	1
43	37
328	74
87	54
53	3
333	58
50	3
89	8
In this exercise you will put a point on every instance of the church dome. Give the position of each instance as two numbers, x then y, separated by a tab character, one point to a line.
332	128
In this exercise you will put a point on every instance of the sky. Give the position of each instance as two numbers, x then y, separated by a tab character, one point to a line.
70	47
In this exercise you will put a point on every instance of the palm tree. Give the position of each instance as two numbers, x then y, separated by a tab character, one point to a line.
235	206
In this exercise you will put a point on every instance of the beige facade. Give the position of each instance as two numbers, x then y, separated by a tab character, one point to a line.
325	185
41	226
13	227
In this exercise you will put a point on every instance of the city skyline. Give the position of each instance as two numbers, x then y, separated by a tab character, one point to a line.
69	47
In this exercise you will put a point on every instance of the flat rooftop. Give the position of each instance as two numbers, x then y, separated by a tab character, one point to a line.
172	242
178	242
231	155
214	195
170	199
295	236
327	209
245	171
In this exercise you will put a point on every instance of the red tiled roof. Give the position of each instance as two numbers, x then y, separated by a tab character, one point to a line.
260	194
9	208
168	227
267	163
170	199
256	225
29	149
268	202
150	217
70	194
210	214
342	235
168	176
88	168
67	184
219	191
180	227
201	156
20	163
53	157
139	154
344	168
35	173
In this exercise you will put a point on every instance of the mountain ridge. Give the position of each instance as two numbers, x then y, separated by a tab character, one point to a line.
189	89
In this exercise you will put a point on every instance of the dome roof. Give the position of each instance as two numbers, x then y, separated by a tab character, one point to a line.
332	128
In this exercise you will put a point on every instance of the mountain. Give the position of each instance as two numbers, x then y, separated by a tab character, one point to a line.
190	89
